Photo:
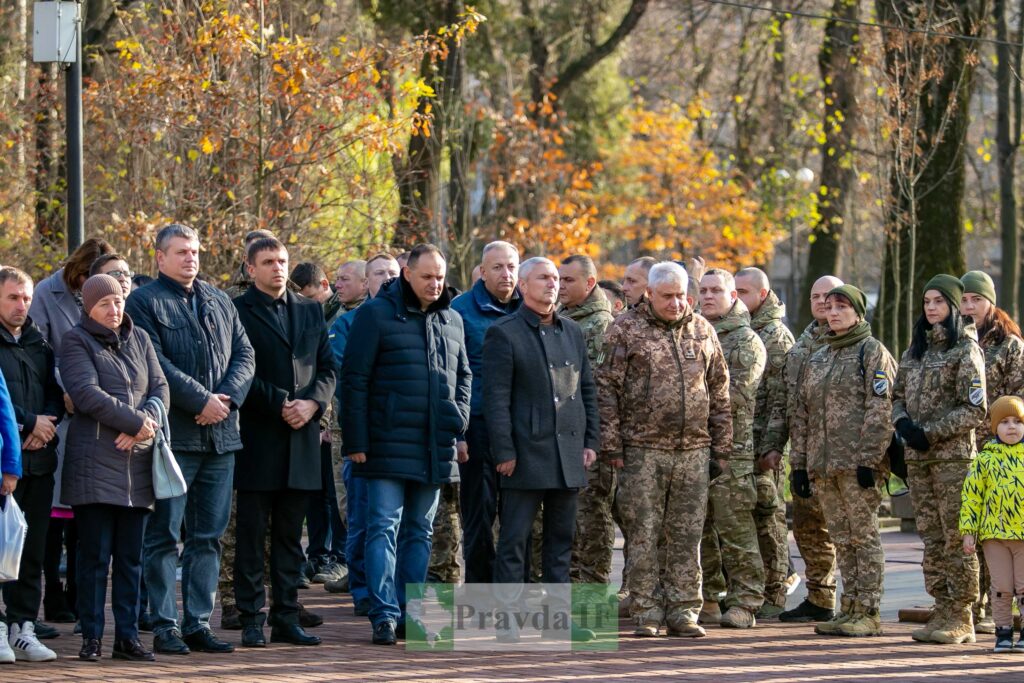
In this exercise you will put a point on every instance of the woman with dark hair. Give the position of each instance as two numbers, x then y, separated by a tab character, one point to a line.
841	429
112	373
116	267
56	308
938	401
1001	342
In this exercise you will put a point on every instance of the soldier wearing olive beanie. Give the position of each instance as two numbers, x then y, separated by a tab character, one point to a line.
949	286
978	282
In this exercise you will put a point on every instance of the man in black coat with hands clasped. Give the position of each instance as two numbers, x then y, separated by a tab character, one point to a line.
279	463
541	408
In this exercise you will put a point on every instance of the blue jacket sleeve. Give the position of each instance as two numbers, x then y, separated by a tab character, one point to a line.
338	338
10	442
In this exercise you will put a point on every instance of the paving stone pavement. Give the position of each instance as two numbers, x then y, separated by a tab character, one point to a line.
770	653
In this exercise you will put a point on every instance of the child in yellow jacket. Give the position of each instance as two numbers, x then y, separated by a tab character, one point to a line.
992	513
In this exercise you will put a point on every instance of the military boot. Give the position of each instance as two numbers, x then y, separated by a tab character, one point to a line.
940	613
831	627
710	613
738	617
865	621
958	629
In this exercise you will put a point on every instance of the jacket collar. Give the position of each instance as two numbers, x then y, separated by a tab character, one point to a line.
486	302
735	318
399	293
644	310
258	302
105	335
533	320
176	287
771	309
595	302
30	334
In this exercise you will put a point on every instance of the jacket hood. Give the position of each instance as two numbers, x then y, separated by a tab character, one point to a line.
595	302
644	310
771	310
399	293
484	301
735	318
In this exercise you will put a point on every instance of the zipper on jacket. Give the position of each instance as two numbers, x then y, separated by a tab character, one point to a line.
131	402
682	385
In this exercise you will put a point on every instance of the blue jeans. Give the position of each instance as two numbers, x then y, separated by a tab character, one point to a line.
355	543
399	529
323	519
205	510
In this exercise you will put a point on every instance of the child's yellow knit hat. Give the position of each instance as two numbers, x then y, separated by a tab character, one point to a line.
1005	406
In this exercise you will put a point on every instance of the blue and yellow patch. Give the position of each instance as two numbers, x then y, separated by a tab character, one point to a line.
880	384
976	395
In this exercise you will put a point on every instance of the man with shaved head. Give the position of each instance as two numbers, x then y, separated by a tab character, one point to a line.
634	281
808	521
350	284
766	315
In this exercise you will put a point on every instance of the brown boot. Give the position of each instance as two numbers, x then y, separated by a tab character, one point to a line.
831	627
959	628
940	613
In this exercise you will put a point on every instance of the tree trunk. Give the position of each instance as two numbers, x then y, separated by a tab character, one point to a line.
1006	149
932	79
838	63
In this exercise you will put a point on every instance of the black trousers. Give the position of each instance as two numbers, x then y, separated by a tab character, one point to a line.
284	511
61	532
22	597
518	510
105	532
478	493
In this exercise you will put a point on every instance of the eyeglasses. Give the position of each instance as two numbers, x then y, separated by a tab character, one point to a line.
121	274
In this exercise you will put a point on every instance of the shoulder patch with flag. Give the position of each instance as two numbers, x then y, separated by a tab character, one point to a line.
881	383
977	392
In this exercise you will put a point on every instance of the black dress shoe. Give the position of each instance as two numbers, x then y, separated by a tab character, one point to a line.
384	634
309	619
92	650
252	636
45	631
132	650
203	640
293	634
170	643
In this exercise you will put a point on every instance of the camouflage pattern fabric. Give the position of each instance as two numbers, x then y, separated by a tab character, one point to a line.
851	513
445	564
772	535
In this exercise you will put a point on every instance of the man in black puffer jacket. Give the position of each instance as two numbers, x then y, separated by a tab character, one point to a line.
406	382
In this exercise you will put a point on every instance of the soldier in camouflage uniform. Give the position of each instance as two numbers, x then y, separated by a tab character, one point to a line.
663	392
1000	340
584	302
445	565
809	527
766	316
841	431
733	495
938	400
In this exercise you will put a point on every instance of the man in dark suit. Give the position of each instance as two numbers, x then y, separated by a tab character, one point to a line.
280	457
540	403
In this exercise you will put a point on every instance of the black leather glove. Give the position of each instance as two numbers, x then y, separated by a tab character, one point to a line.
865	477
714	470
897	459
801	483
904	425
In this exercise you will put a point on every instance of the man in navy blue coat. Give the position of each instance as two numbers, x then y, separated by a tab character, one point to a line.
406	386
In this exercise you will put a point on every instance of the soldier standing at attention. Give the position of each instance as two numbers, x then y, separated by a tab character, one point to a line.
733	495
938	401
663	392
840	434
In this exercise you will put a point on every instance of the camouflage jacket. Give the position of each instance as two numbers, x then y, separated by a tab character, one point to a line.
778	340
1004	374
782	402
593	316
842	416
746	358
943	393
663	385
239	284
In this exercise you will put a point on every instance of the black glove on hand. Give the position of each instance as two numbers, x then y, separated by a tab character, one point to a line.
801	483
865	477
714	470
904	426
897	459
917	439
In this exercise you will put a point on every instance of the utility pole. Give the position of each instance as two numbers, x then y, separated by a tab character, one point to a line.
73	103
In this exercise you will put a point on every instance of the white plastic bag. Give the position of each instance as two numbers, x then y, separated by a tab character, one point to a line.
13	529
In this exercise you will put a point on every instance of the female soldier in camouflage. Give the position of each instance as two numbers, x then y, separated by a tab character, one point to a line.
1000	341
841	430
938	401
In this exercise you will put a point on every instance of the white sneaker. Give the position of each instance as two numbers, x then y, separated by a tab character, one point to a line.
27	647
791	582
6	653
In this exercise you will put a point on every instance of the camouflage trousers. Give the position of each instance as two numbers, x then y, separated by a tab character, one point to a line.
772	535
595	528
664	493
733	498
815	545
851	513
950	576
446	551
713	585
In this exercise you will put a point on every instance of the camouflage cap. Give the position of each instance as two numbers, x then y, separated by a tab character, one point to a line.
856	298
